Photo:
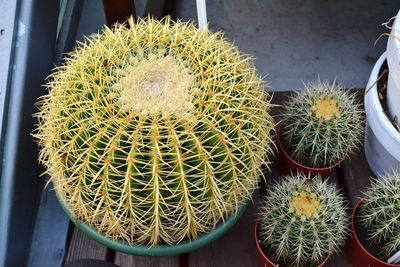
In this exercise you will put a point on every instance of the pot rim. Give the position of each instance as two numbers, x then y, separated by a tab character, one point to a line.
353	229
374	110
160	250
281	148
260	251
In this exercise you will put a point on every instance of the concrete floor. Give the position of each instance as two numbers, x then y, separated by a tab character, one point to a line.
292	40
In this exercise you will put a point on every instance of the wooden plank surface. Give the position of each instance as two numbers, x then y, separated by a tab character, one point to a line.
339	260
355	176
235	248
50	235
125	260
83	247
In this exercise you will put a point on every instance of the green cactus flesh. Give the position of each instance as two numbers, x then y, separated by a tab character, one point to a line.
154	133
302	221
323	124
379	215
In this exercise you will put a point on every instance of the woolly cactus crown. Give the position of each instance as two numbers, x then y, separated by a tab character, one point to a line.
302	220
154	133
323	124
379	214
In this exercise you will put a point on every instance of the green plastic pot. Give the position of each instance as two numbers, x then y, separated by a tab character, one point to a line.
161	250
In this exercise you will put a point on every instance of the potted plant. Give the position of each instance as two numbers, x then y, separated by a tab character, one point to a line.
301	223
375	225
322	125
382	137
154	135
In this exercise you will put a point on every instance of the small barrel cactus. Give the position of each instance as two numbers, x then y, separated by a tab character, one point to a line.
155	133
322	124
379	215
302	221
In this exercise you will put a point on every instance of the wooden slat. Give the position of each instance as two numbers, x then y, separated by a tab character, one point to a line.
340	259
354	173
235	248
125	260
83	247
118	11
160	8
355	176
50	237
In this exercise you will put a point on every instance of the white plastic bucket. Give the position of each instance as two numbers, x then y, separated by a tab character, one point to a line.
382	140
393	59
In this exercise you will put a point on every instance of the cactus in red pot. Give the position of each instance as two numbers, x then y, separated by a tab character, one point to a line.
379	215
322	125
302	221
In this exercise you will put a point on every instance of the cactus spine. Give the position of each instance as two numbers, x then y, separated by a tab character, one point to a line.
302	221
154	133
323	124
379	214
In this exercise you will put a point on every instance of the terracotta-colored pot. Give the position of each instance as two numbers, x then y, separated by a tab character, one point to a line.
357	254
287	165
264	261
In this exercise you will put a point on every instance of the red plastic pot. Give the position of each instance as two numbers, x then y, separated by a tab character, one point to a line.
287	165
357	254
264	261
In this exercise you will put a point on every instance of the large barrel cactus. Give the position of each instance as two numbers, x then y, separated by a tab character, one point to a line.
155	131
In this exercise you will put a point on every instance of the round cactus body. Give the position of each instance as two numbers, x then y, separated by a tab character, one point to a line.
323	124
154	133
379	215
302	221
